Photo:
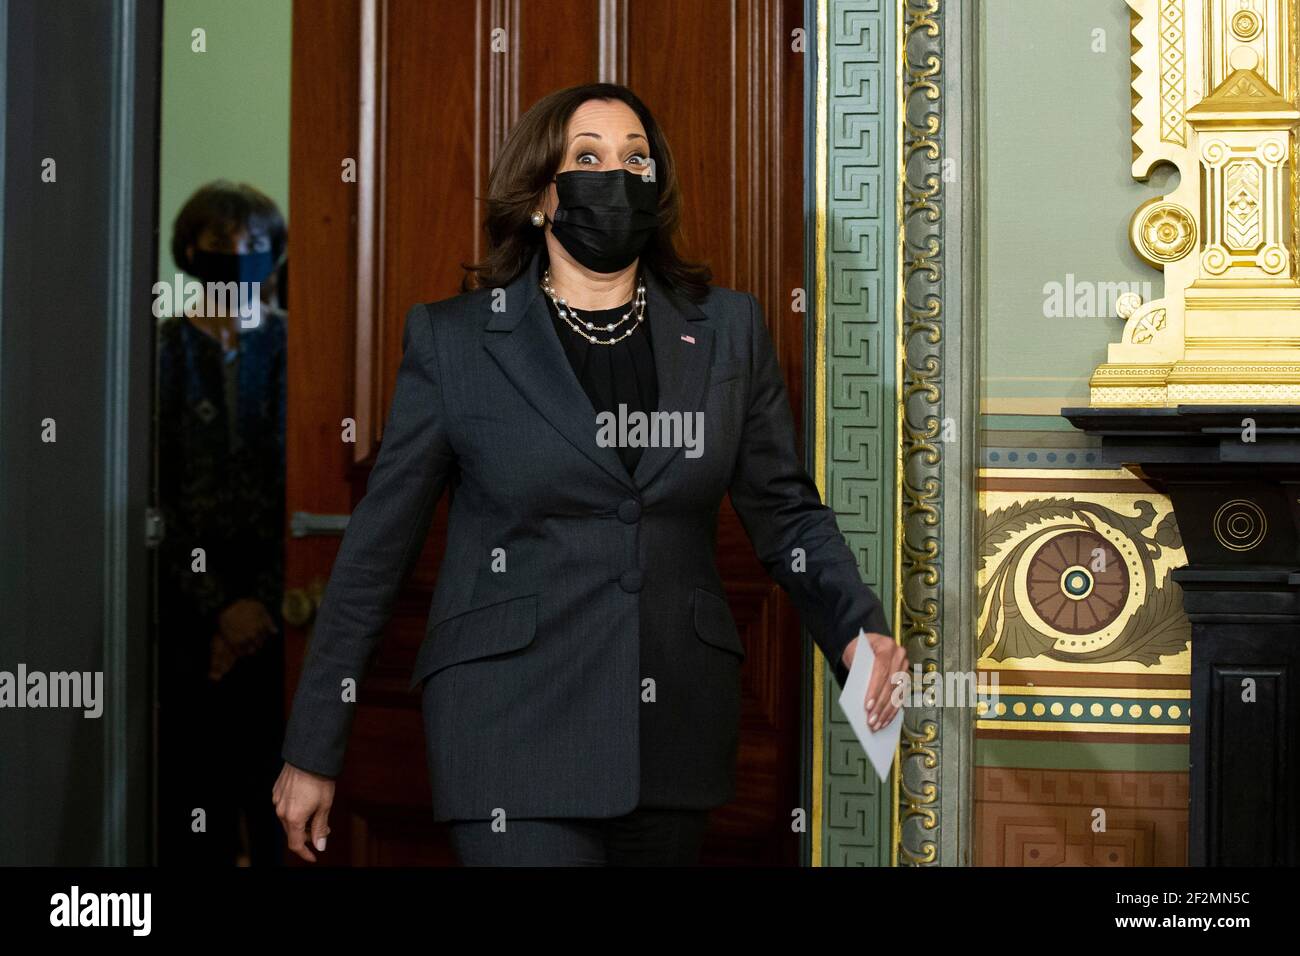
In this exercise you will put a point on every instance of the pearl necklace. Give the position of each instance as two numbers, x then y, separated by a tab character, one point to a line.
584	327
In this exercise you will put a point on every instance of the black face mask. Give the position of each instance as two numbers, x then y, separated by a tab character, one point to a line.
231	266
605	217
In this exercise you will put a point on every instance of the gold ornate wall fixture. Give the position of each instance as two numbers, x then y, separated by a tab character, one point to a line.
1215	95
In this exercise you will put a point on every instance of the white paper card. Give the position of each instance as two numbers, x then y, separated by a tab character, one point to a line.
879	744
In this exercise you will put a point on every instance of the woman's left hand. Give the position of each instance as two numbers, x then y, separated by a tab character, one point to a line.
222	657
891	659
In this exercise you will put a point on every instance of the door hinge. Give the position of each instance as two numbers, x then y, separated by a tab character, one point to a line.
304	524
154	527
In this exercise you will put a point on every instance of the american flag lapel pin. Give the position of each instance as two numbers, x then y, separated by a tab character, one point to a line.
689	338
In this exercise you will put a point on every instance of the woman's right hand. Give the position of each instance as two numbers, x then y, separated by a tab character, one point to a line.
302	802
245	624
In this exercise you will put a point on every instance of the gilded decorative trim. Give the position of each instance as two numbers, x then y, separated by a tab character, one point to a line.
1173	79
819	425
1294	63
920	422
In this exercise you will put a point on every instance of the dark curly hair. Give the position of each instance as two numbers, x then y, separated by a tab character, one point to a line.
532	154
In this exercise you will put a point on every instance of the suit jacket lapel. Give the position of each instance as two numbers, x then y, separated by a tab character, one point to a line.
682	347
534	360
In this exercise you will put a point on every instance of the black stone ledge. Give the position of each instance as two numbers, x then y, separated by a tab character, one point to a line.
1147	439
1240	595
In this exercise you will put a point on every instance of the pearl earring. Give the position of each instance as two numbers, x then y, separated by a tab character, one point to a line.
539	218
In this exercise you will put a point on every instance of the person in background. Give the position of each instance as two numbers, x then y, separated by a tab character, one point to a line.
221	413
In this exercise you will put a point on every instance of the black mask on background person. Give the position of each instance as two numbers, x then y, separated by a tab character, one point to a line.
605	217
231	266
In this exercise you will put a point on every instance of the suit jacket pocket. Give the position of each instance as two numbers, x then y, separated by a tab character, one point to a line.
498	628
714	623
723	372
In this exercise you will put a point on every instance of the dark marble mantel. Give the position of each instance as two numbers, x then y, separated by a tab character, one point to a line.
1233	475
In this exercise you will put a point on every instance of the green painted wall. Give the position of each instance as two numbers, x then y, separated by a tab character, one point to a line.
1058	193
225	112
1055	755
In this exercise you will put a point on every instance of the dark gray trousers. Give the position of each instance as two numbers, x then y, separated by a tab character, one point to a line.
644	837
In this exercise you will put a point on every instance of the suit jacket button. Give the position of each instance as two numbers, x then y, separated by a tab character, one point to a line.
630	511
630	581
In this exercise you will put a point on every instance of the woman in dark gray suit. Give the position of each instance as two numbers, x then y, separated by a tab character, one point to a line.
590	400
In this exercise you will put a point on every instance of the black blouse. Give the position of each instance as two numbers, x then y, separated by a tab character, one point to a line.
612	375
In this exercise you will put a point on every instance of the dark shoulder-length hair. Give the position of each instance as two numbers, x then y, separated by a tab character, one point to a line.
532	154
226	208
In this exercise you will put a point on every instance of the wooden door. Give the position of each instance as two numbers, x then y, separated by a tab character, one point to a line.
418	97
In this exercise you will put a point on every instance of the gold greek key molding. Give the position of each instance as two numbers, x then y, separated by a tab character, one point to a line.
1215	95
